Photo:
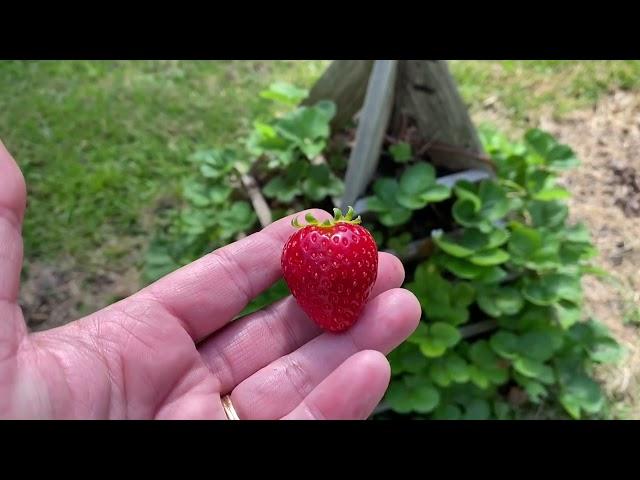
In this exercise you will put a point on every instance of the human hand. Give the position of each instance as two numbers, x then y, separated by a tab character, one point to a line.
171	351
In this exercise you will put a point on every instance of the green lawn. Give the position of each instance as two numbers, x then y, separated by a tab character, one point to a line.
99	142
102	143
524	87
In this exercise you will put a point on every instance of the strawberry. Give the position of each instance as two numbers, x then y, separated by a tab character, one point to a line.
330	268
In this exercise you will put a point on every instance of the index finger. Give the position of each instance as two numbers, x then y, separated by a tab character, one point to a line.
206	294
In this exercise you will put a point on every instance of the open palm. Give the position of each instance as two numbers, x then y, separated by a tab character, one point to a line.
171	350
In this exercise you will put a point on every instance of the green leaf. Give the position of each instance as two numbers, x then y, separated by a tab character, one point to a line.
456	246
417	187
219	193
436	193
478	377
534	369
498	300
279	188
445	333
460	267
487	367
321	183
541	142
390	213
440	299
540	345
580	392
597	341
401	152
412	393
577	233
439	374
284	93
480	210
523	240
399	397
491	276
448	411
462	293
562	157
286	187
477	409
505	344
481	354
539	180
307	127
495	204
547	214
502	410
566	313
571	405
556	193
555	155
435	339
606	350
456	368
407	358
465	214
239	218
215	163
496	238
535	390
550	288
465	190
487	258
196	193
432	348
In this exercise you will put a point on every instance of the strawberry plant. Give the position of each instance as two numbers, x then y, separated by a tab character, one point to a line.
510	263
284	153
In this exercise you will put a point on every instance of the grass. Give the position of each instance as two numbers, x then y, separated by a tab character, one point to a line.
101	143
524	87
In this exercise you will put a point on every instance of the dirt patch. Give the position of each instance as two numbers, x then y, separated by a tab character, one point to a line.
53	295
626	189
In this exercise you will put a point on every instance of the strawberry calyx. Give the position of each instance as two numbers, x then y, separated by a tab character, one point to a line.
338	217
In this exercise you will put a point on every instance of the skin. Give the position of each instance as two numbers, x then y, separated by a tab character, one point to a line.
170	351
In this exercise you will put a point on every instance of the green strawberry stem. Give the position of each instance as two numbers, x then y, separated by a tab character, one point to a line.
338	217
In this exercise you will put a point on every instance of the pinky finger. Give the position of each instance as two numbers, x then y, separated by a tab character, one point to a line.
350	392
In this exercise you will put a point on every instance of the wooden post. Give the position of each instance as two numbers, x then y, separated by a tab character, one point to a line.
426	93
345	83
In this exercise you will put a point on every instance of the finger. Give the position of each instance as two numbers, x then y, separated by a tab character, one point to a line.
209	292
248	344
350	392
276	389
12	207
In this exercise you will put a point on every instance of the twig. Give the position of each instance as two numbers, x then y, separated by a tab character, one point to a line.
443	147
477	328
260	205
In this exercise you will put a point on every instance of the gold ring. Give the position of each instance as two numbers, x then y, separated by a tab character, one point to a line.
229	411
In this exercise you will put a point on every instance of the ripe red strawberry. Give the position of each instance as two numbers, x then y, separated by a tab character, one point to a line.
330	268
